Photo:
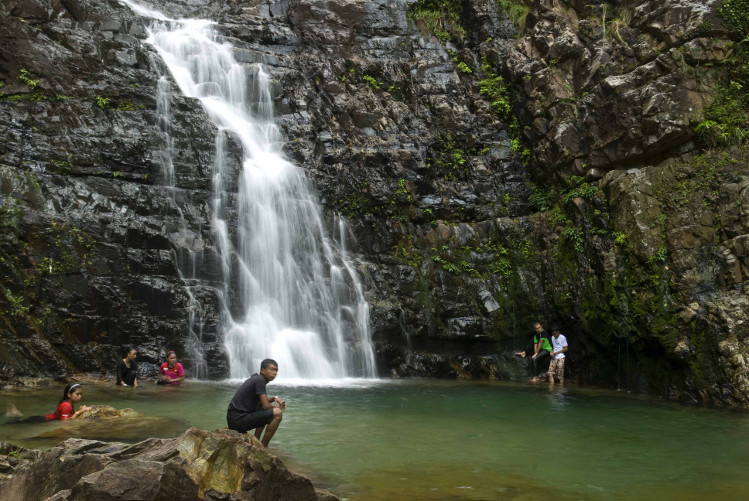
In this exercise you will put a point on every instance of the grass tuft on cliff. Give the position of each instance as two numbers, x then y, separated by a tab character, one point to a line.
438	17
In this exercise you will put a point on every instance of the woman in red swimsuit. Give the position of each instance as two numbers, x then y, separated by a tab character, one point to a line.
72	395
171	371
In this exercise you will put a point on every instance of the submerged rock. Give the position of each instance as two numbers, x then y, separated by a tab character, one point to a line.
218	465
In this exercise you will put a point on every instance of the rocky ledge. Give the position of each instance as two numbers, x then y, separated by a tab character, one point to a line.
218	465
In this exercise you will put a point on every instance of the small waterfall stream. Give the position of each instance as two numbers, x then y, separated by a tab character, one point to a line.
289	290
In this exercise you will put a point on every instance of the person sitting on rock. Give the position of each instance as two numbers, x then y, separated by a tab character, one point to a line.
251	408
71	395
171	371
127	369
540	347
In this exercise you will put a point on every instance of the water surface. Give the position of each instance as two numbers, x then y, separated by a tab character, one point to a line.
440	440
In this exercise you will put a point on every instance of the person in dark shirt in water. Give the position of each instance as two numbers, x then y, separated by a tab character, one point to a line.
540	347
251	408
127	369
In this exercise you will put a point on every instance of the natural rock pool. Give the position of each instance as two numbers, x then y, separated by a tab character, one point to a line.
439	440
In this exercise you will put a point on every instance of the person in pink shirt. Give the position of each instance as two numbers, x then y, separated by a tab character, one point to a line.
171	371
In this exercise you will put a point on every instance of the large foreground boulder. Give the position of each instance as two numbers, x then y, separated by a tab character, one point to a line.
219	465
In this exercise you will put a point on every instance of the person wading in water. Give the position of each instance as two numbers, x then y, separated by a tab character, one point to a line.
127	369
171	371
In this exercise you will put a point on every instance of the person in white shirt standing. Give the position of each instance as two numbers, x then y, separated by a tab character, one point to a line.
559	345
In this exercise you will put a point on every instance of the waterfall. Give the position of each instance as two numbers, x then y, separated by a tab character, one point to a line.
289	291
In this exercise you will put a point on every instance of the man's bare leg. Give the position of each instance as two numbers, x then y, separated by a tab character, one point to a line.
551	378
270	430
259	431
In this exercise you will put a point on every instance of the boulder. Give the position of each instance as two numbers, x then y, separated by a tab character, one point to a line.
198	465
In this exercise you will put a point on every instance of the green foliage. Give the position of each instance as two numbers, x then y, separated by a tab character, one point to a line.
726	120
103	102
449	156
438	17
357	205
372	82
517	11
16	308
726	117
494	89
464	68
620	238
585	190
402	191
408	254
24	77
126	106
735	15
461	267
540	198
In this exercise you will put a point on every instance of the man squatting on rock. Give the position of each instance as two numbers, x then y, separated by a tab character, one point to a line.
251	408
540	347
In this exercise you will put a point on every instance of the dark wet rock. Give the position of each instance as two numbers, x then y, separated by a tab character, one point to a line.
197	465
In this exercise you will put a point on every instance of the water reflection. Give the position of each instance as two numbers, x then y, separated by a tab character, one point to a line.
557	397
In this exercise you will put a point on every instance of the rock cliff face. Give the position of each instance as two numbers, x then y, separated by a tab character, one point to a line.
199	465
494	172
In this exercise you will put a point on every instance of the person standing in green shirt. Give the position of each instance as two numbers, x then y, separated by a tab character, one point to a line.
540	348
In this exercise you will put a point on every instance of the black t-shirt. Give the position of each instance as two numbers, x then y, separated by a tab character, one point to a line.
125	373
247	397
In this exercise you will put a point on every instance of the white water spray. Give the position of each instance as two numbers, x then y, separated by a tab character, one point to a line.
289	291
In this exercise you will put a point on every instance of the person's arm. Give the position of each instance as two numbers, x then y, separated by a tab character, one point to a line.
563	350
80	411
121	373
537	348
266	402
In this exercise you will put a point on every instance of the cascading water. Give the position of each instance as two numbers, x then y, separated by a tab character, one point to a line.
289	291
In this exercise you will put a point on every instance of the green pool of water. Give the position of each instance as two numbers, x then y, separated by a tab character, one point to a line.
437	440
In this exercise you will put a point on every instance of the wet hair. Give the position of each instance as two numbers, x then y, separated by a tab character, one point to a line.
128	349
70	387
267	362
169	353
